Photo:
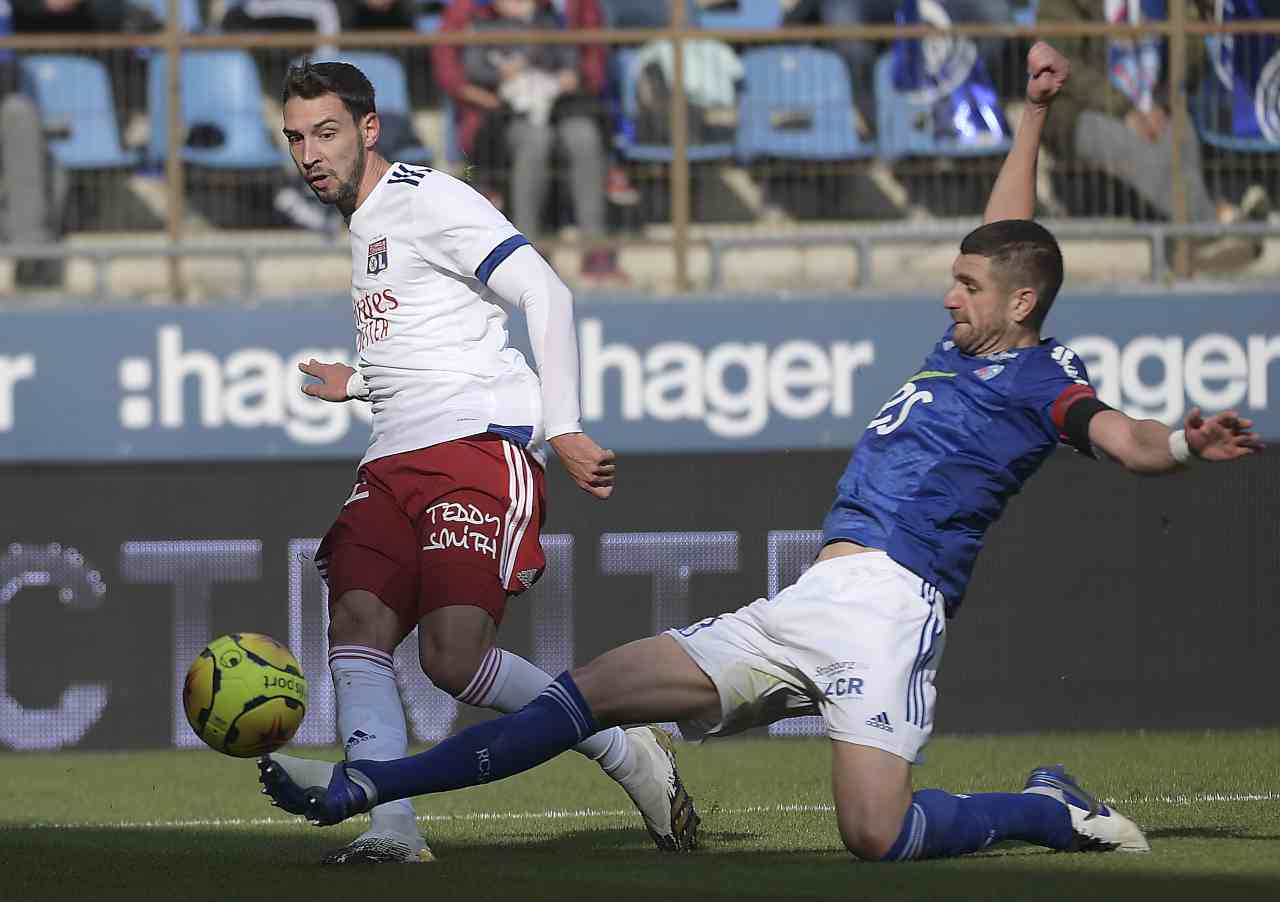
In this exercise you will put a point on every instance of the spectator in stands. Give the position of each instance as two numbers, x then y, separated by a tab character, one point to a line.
320	16
69	15
527	99
33	188
1122	126
358	15
861	55
324	17
32	185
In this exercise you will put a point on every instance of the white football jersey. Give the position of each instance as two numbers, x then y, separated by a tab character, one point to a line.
431	339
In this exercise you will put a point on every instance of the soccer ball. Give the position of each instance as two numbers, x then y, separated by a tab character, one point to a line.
245	695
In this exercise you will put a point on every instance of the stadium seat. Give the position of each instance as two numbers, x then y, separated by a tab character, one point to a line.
642	13
428	14
761	15
76	106
221	111
797	104
904	125
656	153
188	11
391	95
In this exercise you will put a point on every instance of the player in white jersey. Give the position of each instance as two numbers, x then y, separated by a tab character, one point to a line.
442	525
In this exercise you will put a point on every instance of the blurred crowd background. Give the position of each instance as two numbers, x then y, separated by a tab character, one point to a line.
742	145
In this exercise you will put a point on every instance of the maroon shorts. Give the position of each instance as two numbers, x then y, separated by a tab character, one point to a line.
454	524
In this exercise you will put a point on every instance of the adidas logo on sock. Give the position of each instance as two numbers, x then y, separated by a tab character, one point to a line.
357	737
880	722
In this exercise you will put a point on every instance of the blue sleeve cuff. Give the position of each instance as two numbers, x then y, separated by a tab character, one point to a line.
497	255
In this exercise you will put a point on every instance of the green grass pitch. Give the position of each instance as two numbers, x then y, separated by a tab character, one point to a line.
191	826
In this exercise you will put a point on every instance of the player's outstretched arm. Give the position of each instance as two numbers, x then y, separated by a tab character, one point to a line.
524	280
1014	193
1150	448
338	382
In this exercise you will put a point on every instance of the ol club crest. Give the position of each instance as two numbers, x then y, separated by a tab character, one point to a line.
377	257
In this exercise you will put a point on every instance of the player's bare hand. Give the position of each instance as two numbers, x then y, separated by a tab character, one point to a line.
1223	436
589	465
333	380
1047	73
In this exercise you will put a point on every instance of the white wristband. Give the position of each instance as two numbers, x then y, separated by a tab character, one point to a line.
1179	448
356	387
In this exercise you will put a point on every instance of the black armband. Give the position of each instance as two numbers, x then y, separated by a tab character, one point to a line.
1075	425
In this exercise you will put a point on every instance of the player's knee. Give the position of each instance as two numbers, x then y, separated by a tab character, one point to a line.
360	618
867	842
866	837
451	668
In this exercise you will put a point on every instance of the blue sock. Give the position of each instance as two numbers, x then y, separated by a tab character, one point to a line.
940	825
557	720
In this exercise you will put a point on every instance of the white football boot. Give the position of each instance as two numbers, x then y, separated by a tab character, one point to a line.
382	847
667	809
1097	827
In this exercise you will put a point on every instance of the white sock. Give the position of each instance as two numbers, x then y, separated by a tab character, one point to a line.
371	721
507	682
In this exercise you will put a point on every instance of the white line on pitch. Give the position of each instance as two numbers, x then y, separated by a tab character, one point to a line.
567	814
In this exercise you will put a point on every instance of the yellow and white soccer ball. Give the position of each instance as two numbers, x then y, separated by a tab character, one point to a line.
245	695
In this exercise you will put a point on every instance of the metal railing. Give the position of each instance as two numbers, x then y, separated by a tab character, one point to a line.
684	228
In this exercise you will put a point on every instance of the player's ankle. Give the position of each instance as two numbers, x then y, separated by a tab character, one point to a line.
618	759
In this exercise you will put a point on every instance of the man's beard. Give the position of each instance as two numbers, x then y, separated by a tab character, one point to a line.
345	197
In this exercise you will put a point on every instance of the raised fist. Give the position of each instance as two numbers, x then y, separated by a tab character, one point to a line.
1047	72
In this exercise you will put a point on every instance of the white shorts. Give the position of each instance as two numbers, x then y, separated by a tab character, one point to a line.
856	639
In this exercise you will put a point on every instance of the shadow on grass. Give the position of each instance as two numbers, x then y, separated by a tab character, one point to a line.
239	865
1211	833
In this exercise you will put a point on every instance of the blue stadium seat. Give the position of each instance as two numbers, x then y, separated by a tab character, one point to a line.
655	153
760	15
904	126
73	94
1026	14
797	104
428	14
221	91
642	13
391	96
188	12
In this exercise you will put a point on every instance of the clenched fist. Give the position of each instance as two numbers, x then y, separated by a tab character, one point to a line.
1047	72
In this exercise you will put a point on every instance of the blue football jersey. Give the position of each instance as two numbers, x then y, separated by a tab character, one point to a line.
939	461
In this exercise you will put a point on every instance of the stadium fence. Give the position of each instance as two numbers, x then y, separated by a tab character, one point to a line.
203	227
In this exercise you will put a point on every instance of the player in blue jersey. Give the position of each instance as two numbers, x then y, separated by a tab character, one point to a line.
858	638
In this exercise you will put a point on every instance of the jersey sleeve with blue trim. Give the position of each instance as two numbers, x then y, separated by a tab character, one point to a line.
456	224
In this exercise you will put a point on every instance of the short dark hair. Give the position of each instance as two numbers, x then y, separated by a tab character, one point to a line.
311	80
1023	254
